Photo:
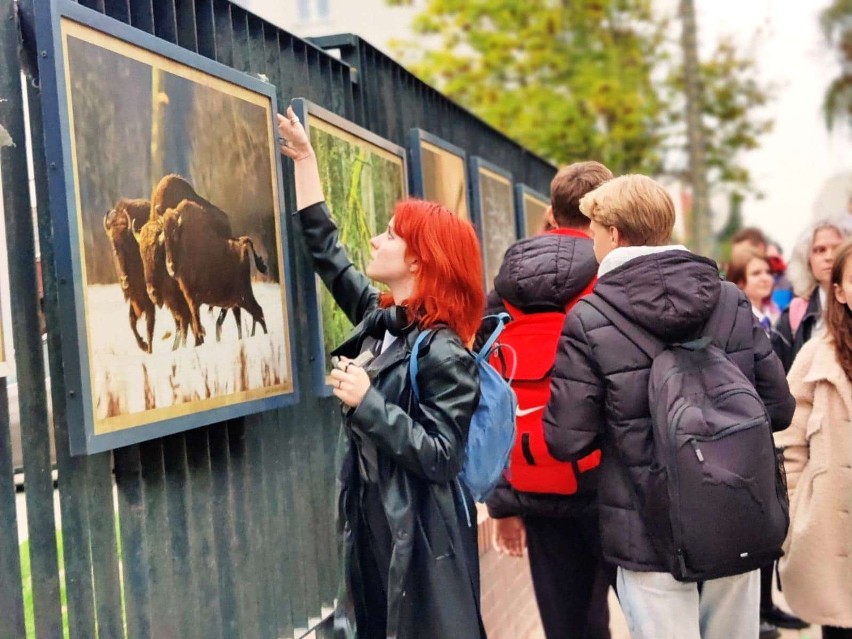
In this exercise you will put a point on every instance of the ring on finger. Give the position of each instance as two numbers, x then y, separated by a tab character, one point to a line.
295	120
346	368
282	141
339	384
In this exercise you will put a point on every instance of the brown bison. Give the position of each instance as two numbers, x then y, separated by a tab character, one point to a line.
160	286
131	277
209	268
173	189
137	209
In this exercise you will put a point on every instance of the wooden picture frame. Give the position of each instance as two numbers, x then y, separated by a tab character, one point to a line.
124	112
439	172
350	157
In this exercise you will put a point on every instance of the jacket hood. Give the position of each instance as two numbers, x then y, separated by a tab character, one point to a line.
671	294
546	271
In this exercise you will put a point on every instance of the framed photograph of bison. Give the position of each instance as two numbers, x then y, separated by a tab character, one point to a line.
532	207
493	206
438	171
166	202
363	177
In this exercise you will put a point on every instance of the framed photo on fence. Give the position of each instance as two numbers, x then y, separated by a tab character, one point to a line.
531	206
493	206
438	172
166	201
363	177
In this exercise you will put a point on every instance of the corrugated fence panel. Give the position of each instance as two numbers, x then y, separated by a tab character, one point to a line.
225	531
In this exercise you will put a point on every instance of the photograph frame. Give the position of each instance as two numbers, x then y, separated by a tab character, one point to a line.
416	139
62	188
310	112
478	167
523	193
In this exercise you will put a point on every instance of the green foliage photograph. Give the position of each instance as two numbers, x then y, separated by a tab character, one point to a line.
362	182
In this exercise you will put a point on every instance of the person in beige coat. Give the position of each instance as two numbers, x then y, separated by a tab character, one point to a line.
816	570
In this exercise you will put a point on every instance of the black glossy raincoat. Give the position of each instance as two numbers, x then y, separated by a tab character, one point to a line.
414	451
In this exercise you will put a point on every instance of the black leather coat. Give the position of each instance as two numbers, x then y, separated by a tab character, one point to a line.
433	582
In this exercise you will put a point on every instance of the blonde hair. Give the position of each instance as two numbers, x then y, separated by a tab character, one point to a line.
640	208
799	269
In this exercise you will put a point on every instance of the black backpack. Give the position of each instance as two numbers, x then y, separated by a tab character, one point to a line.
715	501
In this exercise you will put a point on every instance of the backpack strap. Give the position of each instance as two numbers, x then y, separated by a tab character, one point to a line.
643	340
413	366
721	323
502	319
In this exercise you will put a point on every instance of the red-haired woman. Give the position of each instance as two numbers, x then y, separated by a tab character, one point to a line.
817	563
410	559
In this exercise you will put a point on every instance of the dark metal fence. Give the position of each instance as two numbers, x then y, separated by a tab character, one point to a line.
225	531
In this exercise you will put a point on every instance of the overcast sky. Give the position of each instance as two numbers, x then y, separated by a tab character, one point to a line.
798	158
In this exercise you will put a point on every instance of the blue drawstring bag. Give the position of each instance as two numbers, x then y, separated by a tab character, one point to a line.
492	427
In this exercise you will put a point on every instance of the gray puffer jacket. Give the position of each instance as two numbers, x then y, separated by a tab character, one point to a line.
599	395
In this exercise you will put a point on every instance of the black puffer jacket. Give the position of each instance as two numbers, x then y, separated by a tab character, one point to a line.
540	274
785	343
599	387
418	448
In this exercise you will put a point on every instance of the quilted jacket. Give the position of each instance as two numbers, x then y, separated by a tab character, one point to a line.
599	386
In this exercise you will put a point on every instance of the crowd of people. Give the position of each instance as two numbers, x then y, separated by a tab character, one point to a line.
649	392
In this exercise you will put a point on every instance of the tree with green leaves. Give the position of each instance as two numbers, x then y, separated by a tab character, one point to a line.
590	79
836	23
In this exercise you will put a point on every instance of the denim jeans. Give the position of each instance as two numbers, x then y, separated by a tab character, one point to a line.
657	606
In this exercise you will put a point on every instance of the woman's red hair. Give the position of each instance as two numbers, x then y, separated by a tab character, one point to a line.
448	282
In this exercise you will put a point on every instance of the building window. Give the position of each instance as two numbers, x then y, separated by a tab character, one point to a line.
312	10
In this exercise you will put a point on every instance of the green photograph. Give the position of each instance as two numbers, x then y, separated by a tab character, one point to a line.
362	181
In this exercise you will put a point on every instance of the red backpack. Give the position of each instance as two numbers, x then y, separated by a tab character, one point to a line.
526	356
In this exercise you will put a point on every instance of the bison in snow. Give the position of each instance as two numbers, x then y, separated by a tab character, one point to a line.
172	189
210	269
160	286
128	265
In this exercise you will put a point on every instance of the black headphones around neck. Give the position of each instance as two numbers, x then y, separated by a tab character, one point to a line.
393	319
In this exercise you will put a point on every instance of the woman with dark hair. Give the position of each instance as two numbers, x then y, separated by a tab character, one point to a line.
409	527
817	562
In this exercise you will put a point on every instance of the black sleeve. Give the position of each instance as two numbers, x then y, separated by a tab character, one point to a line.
574	418
782	340
351	289
432	445
504	502
771	381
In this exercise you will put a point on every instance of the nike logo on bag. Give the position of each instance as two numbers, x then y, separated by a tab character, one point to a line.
527	411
